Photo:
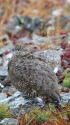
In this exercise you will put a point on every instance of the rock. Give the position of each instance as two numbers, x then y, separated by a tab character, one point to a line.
27	22
49	22
3	73
6	59
11	98
30	24
10	90
17	102
67	27
14	102
43	43
64	20
65	97
32	75
49	56
25	41
3	96
13	26
20	24
8	45
47	42
57	12
9	121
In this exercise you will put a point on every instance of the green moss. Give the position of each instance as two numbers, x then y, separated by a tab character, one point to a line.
41	117
66	81
38	115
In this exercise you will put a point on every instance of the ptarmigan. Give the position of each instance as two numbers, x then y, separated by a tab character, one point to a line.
32	75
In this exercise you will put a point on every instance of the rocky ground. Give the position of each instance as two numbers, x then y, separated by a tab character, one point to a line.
38	36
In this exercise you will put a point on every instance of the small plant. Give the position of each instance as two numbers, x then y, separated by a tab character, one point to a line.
52	107
41	117
5	112
36	116
66	81
47	116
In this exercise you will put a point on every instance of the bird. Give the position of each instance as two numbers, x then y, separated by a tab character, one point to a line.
32	76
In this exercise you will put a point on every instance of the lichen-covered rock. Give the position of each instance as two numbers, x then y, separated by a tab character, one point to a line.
32	75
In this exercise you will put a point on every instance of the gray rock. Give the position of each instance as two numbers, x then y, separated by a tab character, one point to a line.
19	104
13	26
56	12
29	23
64	20
15	102
9	89
51	42
3	73
9	121
6	59
23	23
11	98
5	89
65	97
3	96
32	25
8	45
51	57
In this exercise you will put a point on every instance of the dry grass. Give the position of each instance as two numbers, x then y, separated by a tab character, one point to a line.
5	112
47	117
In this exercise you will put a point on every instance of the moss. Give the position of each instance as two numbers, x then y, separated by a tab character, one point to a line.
38	115
41	117
66	81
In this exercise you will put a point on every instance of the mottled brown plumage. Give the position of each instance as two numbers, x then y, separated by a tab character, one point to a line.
32	76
